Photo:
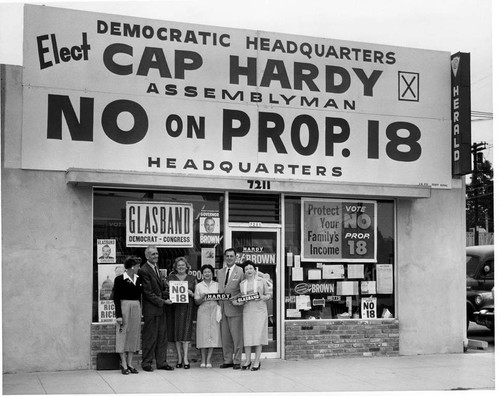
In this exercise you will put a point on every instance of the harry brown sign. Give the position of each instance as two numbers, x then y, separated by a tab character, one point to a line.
185	99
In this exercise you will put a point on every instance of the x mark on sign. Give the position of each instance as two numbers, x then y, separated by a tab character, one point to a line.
409	86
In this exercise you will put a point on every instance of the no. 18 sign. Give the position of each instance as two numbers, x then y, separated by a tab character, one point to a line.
369	308
178	291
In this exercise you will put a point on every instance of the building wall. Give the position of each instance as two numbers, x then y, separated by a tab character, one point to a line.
47	261
46	272
46	251
431	289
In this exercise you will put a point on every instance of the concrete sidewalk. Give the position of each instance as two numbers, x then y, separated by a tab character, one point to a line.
466	371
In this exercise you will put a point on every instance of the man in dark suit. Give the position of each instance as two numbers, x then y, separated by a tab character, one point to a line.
229	277
154	331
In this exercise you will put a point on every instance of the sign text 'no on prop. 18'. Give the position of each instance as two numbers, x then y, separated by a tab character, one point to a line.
179	98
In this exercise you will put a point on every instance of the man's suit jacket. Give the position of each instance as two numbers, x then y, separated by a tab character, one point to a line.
232	288
152	301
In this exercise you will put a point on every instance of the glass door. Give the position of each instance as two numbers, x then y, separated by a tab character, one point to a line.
262	247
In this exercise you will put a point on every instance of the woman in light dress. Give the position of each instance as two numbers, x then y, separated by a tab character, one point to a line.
208	334
255	333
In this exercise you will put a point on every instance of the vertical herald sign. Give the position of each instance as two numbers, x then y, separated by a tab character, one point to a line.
460	114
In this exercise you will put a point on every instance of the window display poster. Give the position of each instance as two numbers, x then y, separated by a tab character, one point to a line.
296	260
355	271
178	291
338	230
333	271
314	274
303	302
164	224
209	227
106	275
293	313
368	307
106	251
348	304
318	302
384	278
266	278
368	287
297	274
347	288
163	273
208	256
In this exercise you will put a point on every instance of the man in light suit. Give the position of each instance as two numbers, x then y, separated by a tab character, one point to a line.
229	277
154	330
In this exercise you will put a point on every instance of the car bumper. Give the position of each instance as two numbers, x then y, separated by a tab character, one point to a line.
484	318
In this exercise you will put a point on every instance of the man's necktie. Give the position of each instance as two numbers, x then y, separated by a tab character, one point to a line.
227	277
157	271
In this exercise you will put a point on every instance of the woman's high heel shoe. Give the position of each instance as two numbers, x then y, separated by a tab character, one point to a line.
178	365
246	367
255	368
124	370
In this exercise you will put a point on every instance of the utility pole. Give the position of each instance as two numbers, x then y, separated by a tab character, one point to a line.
476	150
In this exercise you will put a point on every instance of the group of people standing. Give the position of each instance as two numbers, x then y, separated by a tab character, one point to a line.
233	324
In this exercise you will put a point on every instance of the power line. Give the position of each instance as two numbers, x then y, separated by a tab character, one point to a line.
481	115
480	196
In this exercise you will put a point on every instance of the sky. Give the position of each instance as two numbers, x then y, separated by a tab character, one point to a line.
444	25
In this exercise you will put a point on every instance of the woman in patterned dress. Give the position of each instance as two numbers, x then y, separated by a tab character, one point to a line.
183	313
254	315
208	334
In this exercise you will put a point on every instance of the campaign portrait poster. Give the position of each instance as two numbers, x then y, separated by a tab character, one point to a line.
209	227
106	251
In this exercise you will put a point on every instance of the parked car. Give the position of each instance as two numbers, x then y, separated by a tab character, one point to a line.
480	275
485	316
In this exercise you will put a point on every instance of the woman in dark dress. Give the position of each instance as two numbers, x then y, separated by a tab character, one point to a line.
126	296
182	314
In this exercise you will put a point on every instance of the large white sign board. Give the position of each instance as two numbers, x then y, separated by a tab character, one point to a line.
112	92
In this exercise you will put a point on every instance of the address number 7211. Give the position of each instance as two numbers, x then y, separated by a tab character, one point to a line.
259	184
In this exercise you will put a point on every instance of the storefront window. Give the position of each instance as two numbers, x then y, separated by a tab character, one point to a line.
353	276
111	246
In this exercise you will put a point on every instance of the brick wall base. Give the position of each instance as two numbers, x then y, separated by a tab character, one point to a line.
337	338
103	339
303	340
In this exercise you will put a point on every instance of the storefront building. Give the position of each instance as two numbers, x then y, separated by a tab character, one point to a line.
327	163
